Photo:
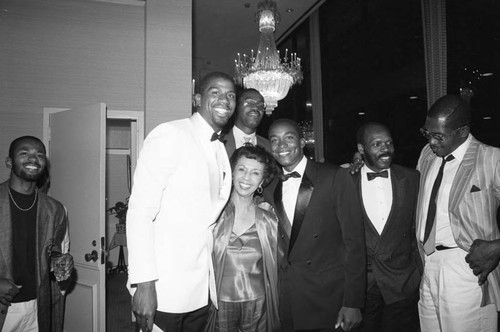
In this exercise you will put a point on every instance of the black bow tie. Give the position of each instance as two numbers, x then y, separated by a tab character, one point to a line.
216	136
293	174
372	175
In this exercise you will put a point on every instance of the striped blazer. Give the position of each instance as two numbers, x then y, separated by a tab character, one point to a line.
473	204
51	228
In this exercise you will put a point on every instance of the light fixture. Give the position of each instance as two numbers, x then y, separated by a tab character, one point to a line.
267	72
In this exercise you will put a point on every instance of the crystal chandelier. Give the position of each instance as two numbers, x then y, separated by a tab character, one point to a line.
267	72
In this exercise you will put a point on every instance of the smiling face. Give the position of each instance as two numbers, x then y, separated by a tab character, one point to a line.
286	144
250	111
28	160
217	102
377	148
248	175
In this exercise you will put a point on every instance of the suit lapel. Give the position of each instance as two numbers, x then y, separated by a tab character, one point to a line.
45	236
459	186
303	197
426	161
229	143
280	210
398	182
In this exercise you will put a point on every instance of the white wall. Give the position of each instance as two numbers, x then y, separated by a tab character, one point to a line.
68	53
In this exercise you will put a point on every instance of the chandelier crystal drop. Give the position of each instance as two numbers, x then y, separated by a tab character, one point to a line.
265	71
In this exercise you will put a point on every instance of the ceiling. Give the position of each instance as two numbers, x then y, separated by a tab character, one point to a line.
223	28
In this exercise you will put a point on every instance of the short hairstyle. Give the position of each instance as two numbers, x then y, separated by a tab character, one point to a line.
260	154
287	121
205	81
454	109
15	143
360	134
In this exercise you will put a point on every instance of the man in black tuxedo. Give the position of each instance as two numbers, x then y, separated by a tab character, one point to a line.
321	263
388	194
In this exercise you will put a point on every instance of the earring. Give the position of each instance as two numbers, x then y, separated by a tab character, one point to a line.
259	190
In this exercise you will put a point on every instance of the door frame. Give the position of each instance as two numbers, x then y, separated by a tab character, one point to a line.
136	132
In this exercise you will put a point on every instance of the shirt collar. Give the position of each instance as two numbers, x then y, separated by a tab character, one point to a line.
239	134
202	127
459	152
300	168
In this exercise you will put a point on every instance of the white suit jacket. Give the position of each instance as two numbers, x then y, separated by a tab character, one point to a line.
473	204
174	201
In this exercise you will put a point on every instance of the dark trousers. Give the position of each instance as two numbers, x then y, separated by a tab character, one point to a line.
286	316
193	321
394	317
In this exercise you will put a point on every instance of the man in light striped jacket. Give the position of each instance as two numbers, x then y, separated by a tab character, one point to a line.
457	206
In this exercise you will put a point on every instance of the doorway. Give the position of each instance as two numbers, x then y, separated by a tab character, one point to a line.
119	139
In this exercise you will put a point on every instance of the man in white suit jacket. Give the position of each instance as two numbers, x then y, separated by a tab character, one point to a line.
181	184
451	296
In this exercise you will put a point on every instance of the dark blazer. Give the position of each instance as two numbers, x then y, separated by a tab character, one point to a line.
230	144
393	261
322	263
51	228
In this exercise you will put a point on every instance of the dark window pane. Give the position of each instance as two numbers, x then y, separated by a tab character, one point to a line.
372	70
473	37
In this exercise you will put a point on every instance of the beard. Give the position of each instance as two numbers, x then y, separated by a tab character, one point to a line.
22	174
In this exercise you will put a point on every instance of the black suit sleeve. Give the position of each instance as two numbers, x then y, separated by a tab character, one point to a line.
348	210
414	247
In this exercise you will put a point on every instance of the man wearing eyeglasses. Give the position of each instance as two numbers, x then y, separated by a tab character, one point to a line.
457	205
250	109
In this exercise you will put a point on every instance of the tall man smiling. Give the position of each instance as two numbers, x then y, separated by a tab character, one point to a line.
321	254
181	184
458	202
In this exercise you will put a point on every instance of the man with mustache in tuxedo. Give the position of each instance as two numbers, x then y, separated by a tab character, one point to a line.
388	194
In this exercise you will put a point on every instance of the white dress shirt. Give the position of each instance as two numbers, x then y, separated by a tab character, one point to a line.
241	138
444	235
291	189
377	198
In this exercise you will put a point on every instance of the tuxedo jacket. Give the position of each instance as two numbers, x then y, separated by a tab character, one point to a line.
393	261
322	259
174	202
51	224
230	143
473	203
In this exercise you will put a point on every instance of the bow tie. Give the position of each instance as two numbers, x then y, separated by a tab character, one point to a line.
216	136
293	174
372	175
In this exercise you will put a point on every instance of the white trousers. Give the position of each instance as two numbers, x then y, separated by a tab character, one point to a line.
450	296
22	317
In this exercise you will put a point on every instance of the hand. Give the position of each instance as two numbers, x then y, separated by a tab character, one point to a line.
483	257
144	305
357	163
348	318
8	289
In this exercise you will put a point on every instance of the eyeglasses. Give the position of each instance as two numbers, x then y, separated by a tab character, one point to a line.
255	104
438	136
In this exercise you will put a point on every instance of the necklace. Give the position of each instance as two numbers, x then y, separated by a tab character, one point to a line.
17	206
